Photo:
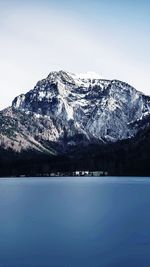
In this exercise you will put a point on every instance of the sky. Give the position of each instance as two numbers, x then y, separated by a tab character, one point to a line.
109	37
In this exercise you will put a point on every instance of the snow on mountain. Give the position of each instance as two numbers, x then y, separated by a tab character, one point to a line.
88	75
68	109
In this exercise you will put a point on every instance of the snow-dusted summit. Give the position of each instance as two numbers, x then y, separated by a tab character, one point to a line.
66	109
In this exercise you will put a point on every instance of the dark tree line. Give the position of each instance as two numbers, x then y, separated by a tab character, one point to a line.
128	157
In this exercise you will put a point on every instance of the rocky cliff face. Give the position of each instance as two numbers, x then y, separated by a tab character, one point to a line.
66	110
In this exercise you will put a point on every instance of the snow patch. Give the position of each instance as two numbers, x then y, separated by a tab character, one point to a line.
69	110
88	75
112	104
42	94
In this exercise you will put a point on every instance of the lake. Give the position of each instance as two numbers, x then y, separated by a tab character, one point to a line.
75	222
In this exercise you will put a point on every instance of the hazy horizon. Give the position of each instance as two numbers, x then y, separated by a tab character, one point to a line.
106	37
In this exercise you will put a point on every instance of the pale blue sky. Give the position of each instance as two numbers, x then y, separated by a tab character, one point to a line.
109	37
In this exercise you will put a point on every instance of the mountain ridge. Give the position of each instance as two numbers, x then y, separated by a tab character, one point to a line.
64	110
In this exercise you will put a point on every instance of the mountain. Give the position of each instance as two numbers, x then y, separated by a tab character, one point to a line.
71	122
65	111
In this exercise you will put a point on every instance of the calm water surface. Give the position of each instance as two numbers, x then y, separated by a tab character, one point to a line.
75	222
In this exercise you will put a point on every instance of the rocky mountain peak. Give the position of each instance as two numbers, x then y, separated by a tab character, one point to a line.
69	109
